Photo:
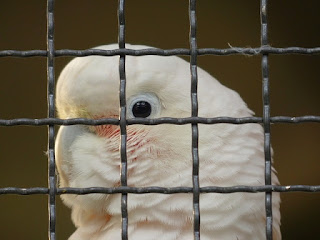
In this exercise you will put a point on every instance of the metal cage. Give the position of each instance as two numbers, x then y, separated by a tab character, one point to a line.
51	121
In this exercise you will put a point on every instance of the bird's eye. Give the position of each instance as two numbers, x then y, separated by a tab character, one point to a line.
144	105
141	109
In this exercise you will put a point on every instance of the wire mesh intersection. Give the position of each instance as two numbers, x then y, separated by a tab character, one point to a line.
264	50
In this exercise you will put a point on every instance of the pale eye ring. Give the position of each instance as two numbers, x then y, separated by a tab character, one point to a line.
144	105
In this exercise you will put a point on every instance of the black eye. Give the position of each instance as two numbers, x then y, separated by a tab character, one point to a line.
141	109
143	105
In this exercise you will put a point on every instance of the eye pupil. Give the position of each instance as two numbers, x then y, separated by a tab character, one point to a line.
141	109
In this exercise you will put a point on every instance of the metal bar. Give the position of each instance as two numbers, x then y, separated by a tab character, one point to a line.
163	52
194	113
123	122
162	190
51	114
266	118
155	121
24	191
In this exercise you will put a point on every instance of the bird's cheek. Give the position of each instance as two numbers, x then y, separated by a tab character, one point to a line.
113	132
108	131
136	138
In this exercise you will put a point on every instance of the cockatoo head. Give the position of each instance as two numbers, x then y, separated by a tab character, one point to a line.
156	86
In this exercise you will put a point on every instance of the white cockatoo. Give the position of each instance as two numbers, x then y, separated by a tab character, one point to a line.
160	155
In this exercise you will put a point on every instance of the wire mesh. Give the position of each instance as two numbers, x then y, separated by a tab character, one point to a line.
264	50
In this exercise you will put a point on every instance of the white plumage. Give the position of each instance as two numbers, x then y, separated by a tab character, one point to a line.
88	156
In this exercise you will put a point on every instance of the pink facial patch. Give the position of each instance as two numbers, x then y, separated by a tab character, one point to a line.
111	131
108	131
134	138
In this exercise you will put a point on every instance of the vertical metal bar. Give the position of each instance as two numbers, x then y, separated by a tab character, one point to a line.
266	117
194	113
123	121
51	114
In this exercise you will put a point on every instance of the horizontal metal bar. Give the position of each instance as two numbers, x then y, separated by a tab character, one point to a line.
57	121
156	121
301	119
162	190
162	52
24	191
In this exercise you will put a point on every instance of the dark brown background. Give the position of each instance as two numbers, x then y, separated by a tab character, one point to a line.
81	24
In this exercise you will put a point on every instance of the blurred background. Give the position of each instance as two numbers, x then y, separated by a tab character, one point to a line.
82	24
